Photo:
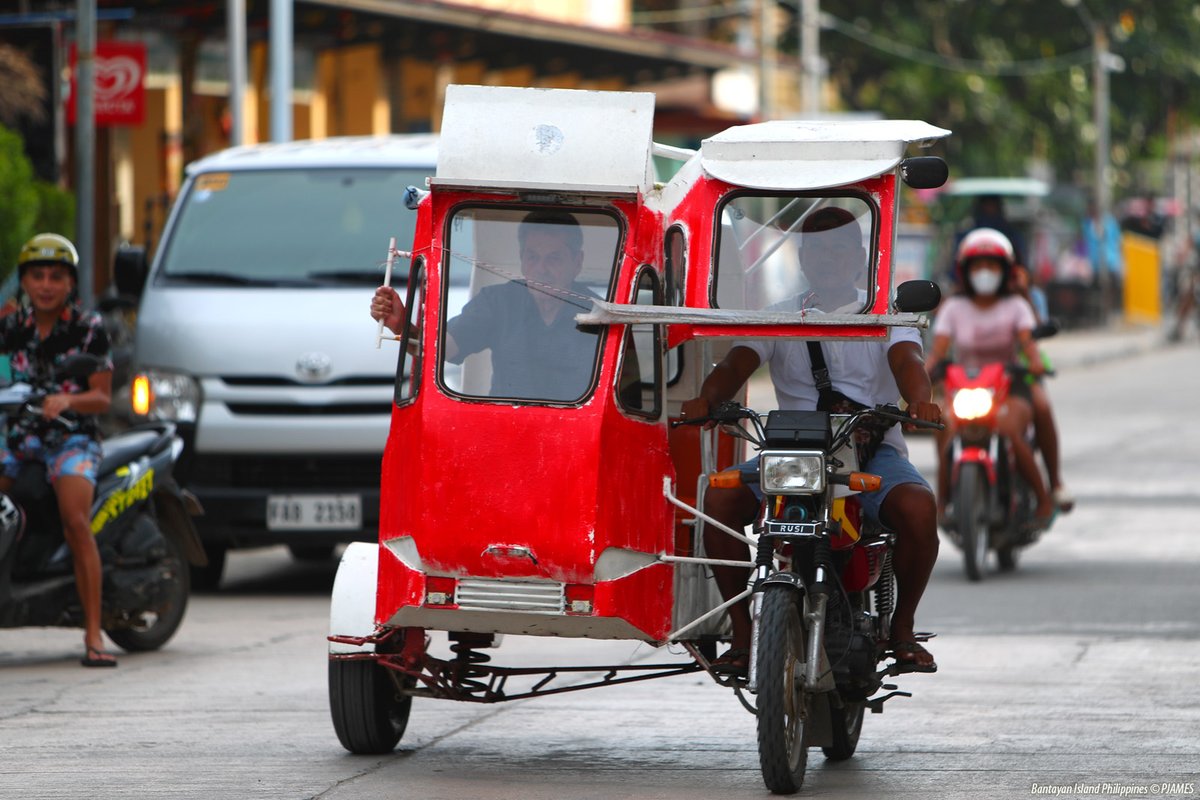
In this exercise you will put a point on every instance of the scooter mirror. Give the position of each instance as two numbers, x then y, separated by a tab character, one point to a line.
917	296
924	172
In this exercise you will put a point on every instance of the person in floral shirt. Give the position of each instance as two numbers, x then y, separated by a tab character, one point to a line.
39	336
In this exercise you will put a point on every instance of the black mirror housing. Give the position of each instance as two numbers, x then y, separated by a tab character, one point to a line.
924	172
129	270
915	297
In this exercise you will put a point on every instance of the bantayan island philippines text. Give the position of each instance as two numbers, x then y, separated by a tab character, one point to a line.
1159	789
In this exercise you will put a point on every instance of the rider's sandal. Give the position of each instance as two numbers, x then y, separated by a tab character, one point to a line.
95	657
734	663
906	652
1064	501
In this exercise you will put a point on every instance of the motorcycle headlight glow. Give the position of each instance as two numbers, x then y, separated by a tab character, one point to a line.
972	403
800	472
159	394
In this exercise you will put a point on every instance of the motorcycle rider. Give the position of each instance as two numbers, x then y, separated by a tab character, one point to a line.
832	258
989	323
38	336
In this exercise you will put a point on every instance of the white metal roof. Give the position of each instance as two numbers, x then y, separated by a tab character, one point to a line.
397	150
811	154
546	139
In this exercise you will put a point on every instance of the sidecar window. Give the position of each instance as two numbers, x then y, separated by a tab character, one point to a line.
530	271
794	252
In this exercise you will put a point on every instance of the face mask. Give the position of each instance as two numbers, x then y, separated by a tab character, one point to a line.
986	281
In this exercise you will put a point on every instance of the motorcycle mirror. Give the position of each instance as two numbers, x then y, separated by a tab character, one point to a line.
1047	329
924	172
917	296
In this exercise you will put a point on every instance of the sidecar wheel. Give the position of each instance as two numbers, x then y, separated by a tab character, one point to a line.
154	629
783	702
971	518
369	711
846	722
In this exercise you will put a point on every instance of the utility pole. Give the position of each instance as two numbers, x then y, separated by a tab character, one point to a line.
281	70
235	25
766	52
810	56
85	147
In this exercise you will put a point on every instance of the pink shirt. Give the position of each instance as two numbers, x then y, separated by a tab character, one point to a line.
983	335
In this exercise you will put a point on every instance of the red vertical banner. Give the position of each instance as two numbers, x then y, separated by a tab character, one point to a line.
120	81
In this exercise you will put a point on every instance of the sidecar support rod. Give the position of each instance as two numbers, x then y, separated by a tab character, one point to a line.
483	683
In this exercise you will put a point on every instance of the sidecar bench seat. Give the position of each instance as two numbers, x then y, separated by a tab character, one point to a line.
126	446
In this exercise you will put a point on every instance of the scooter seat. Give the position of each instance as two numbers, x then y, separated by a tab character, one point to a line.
125	447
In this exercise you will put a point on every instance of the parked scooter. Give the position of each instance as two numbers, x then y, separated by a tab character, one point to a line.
140	518
993	506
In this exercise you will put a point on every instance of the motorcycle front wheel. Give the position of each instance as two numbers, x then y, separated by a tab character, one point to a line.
783	702
971	518
150	630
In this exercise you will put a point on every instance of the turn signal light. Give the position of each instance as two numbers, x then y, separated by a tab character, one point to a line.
864	482
727	479
140	395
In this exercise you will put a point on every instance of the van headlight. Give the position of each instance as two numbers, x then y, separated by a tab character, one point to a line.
797	472
159	394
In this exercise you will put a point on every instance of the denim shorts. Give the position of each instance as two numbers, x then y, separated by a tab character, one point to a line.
77	455
893	468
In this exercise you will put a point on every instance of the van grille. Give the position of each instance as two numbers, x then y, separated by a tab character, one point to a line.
300	409
296	472
481	594
275	380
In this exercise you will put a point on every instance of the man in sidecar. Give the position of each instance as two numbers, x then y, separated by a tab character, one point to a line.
528	323
832	258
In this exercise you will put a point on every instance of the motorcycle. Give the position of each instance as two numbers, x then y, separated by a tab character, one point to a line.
823	587
993	506
140	518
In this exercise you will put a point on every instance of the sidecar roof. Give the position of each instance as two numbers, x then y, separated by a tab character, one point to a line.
554	140
811	154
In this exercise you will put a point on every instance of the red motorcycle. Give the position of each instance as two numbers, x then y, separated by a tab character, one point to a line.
992	505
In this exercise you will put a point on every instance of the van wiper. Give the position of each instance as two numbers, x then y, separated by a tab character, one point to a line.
233	279
370	277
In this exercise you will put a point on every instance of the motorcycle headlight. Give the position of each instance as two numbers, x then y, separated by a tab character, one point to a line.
972	403
800	472
159	394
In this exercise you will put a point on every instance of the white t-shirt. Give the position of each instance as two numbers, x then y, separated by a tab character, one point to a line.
857	369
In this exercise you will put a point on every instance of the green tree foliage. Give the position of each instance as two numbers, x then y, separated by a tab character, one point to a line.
18	199
1013	78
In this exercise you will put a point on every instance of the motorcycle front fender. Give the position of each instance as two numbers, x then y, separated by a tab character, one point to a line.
176	522
975	455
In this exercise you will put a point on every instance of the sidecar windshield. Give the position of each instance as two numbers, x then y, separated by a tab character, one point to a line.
794	252
530	272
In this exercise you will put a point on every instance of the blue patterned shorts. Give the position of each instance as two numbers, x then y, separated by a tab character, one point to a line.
78	455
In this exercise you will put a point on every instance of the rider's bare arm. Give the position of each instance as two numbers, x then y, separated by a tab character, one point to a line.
938	353
908	367
96	400
723	382
1032	353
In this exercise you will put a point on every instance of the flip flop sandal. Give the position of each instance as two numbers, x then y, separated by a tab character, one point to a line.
733	662
95	657
911	649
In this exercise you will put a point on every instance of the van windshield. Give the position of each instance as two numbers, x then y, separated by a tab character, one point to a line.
310	227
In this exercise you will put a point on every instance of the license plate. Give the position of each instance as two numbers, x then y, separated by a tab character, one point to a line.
792	528
314	512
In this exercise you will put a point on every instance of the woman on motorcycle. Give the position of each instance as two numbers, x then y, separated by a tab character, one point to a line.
986	324
39	336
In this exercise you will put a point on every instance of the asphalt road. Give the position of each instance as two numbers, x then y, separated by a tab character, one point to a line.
1081	671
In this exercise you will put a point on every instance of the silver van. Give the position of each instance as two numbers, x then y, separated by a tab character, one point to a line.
253	334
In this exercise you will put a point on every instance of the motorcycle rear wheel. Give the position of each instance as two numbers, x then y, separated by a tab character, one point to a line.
846	723
971	518
783	702
369	712
153	629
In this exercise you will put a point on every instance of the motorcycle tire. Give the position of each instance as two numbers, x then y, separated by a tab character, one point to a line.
971	518
369	711
1006	558
208	577
783	702
153	629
